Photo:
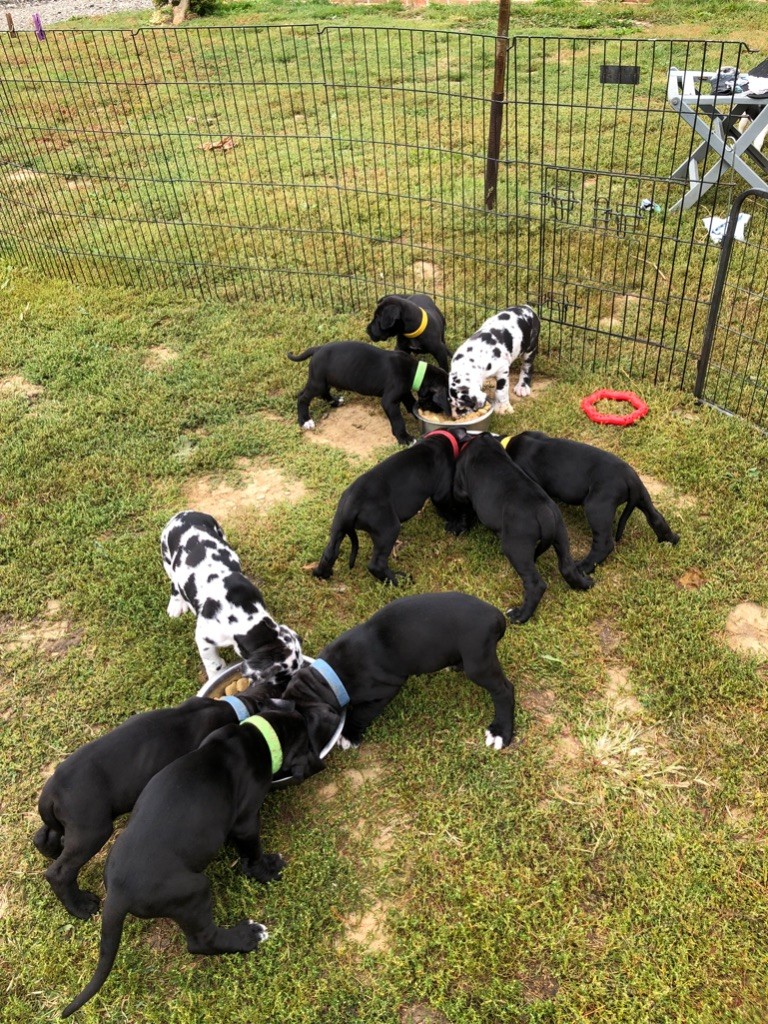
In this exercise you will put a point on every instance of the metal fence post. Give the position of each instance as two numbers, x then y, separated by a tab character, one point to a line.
717	289
497	106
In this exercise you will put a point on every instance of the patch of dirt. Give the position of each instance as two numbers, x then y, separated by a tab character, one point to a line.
747	629
259	487
566	747
427	277
420	1013
660	492
158	356
539	986
540	704
162	935
692	579
620	696
368	929
609	637
17	385
357	429
53	634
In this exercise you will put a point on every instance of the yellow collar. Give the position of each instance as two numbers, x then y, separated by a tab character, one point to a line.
421	328
504	441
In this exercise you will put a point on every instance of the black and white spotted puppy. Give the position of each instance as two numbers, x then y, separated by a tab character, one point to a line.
490	352
206	578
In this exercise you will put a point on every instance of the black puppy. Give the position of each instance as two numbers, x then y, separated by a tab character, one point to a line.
183	818
356	366
104	778
390	494
366	666
580	474
416	322
520	513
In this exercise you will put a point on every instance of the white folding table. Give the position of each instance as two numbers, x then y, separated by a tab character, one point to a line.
712	116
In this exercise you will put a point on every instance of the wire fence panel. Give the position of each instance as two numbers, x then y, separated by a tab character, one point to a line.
332	165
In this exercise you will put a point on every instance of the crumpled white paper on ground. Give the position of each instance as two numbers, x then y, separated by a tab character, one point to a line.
716	227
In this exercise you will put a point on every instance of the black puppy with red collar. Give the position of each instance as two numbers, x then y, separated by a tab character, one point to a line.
415	321
390	494
355	366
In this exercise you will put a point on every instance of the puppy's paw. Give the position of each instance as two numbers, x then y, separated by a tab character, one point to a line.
177	607
268	869
308	425
346	744
83	905
337	401
492	740
503	408
522	390
250	934
586	567
516	615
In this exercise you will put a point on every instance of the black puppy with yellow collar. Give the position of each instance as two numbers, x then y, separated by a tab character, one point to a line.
385	497
415	321
103	779
355	366
581	474
185	815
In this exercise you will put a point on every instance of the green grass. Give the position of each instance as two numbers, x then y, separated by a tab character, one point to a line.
609	868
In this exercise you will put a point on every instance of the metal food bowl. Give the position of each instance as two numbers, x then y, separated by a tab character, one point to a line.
478	423
226	683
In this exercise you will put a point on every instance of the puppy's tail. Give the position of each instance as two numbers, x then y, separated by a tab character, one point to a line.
640	498
340	529
112	919
304	355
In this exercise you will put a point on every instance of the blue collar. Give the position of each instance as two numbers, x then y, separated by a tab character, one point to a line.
238	706
328	674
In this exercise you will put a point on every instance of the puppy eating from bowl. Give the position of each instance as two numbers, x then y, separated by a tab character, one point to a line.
490	352
207	579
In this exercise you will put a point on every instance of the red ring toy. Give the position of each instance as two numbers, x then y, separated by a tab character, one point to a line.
639	408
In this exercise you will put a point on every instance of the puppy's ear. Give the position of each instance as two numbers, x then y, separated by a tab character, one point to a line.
321	722
388	316
267	664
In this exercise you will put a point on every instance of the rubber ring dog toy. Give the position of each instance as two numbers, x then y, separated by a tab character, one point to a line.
639	408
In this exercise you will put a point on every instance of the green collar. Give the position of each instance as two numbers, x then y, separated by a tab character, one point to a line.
418	377
269	734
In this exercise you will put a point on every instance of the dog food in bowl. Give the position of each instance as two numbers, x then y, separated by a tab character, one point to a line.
433	420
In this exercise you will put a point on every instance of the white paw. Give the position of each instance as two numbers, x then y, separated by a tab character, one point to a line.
340	400
264	934
346	744
177	607
308	425
502	407
522	390
493	741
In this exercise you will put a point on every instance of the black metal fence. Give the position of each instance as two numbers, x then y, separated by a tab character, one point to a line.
331	165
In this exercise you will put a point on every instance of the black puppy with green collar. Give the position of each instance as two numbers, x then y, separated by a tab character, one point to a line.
103	779
394	377
187	812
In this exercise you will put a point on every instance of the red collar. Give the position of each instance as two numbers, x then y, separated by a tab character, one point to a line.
451	437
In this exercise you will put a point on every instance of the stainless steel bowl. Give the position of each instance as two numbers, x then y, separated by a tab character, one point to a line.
215	688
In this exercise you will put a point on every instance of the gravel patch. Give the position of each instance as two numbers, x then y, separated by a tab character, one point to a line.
51	11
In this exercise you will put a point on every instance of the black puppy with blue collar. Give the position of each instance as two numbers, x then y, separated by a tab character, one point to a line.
103	779
355	366
365	667
187	812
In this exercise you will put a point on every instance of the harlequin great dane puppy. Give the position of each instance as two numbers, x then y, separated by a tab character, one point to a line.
103	779
520	513
490	352
186	813
394	376
364	668
390	494
415	321
580	474
206	578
